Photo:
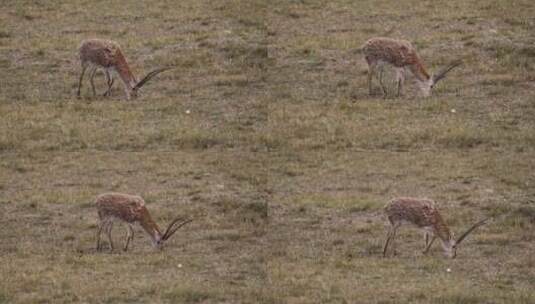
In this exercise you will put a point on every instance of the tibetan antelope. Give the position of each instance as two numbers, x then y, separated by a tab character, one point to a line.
130	209
107	55
402	55
424	214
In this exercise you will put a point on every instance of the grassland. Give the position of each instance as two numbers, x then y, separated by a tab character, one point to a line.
265	134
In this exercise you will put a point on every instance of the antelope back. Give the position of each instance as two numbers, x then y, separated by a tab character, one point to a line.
416	211
128	208
396	52
422	213
99	52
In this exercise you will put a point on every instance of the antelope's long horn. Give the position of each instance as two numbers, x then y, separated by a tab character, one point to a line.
171	229
464	235
149	76
442	73
164	236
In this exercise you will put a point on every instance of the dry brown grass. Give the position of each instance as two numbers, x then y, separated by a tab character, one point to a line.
265	133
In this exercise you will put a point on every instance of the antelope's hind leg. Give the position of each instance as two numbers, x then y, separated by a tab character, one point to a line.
99	231
84	67
109	227
372	66
129	236
400	77
92	79
390	239
381	73
394	225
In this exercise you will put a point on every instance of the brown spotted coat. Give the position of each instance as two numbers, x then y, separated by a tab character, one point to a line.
128	208
106	54
399	53
422	213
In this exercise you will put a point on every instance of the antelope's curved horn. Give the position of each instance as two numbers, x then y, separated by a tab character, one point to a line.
164	236
464	235
442	72
172	228
149	76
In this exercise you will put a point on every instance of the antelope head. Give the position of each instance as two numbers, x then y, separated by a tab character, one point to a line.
171	229
441	74
144	80
451	246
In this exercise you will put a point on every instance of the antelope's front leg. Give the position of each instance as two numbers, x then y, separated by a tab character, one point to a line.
428	244
109	81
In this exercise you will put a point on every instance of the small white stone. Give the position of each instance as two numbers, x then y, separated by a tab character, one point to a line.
179	265
188	111
448	270
453	111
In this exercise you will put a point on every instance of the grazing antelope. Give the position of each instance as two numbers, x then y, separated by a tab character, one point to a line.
131	209
424	214
402	55
107	55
